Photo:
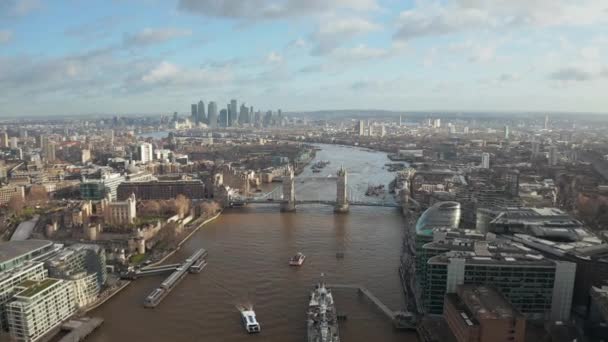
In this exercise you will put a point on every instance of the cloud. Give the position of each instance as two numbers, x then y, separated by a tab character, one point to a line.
274	58
360	52
18	7
169	76
467	15
5	36
508	77
150	36
334	32
270	9
571	74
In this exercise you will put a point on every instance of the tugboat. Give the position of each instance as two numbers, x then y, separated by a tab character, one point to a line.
249	322
297	260
322	317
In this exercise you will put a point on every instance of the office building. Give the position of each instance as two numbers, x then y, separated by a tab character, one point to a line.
441	214
200	117
361	128
553	156
4	142
14	142
212	115
485	160
437	123
39	307
557	235
482	314
194	112
223	119
536	286
232	113
596	322
9	191
506	132
243	115
145	152
546	126
156	190
98	189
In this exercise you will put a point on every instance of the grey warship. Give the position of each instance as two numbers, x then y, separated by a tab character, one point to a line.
322	318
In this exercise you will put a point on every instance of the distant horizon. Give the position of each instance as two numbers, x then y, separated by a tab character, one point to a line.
343	113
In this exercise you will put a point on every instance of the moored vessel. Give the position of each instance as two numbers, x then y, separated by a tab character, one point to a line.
322	321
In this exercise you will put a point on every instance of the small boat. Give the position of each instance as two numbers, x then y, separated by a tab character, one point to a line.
249	322
297	260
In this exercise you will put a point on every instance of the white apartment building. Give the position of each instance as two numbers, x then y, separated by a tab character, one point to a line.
39	307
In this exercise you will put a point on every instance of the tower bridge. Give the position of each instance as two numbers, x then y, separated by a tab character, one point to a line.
285	195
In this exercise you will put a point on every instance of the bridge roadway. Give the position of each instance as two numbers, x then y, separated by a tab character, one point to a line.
323	202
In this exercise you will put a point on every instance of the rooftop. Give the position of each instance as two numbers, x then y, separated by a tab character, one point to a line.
485	302
13	249
35	287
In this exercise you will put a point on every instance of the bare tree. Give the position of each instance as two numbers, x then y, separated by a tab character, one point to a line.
182	205
151	208
16	204
37	194
209	209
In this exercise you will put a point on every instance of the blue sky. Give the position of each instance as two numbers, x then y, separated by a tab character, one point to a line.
158	56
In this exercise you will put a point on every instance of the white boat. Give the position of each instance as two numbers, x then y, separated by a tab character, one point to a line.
249	321
297	260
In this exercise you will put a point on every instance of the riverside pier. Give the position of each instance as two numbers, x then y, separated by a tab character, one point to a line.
194	264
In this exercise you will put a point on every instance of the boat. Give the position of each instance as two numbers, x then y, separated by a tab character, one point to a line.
249	321
297	260
322	322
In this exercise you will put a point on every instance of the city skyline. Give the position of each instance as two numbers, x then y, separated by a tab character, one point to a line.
67	58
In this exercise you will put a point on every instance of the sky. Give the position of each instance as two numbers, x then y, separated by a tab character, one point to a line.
86	57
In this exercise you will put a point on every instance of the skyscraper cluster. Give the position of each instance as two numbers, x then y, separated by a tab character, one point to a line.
234	116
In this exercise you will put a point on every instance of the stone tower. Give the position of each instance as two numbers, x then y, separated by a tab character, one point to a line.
289	191
341	195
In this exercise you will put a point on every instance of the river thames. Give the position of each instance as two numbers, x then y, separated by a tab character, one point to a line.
248	253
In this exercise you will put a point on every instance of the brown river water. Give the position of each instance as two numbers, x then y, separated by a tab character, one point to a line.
248	253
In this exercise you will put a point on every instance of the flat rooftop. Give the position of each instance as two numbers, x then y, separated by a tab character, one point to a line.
35	287
13	249
485	302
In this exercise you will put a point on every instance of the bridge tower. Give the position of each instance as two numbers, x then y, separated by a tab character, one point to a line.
341	195
289	191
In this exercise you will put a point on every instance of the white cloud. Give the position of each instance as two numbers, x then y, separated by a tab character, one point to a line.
464	15
150	36
5	36
169	76
334	32
161	73
271	9
274	57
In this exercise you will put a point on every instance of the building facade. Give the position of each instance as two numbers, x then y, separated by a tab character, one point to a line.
39	307
158	190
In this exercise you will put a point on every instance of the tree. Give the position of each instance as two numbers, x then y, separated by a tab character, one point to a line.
182	205
209	209
151	208
38	194
16	204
